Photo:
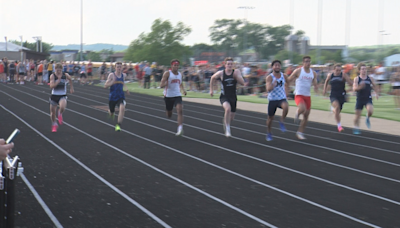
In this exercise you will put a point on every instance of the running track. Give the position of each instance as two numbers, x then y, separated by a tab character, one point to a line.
88	175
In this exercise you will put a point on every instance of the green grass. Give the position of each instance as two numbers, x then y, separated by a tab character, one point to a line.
383	108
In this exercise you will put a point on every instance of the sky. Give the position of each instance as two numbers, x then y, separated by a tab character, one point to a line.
121	21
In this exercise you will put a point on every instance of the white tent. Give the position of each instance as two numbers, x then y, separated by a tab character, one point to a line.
11	47
392	60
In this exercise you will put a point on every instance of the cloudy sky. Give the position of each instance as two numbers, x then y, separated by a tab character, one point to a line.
121	21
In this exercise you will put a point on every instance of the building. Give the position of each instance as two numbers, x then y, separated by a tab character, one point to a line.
15	52
65	55
393	60
117	57
301	45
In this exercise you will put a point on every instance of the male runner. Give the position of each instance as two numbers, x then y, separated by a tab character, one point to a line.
277	88
229	78
305	77
363	85
172	81
338	80
89	72
58	84
117	96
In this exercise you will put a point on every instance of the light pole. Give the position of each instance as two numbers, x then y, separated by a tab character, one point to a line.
348	18
81	29
38	39
291	30
383	44
319	31
22	52
245	26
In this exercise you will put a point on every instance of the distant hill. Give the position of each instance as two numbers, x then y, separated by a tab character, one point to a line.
90	47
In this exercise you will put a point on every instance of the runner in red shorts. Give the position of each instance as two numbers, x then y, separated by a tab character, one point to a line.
305	77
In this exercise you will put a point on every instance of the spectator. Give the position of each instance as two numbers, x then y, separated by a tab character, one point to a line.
148	71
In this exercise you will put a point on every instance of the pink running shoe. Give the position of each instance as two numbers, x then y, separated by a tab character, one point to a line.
60	119
340	129
54	128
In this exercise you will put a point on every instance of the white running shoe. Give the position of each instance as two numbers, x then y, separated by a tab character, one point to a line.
180	132
228	132
300	135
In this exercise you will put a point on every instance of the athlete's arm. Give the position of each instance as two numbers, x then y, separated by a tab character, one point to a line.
71	83
215	76
375	88
268	83
326	83
54	83
182	88
357	87
164	80
315	82
125	88
110	80
286	85
294	75
238	77
348	80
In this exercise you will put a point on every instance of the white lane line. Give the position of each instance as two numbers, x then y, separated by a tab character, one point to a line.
239	153
144	163
204	161
246	122
39	199
249	156
263	145
255	117
84	166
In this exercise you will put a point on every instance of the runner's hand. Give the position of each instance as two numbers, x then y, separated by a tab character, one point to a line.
211	93
184	92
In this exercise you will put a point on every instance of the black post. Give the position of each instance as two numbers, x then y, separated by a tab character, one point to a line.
11	173
2	196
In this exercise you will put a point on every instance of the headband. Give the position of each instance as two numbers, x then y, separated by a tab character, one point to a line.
175	62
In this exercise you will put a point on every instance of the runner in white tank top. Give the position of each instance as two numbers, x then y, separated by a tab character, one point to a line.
305	77
172	81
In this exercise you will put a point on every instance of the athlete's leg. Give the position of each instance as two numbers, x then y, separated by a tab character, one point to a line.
63	106
228	113
121	112
336	110
304	121
370	109
168	106
357	118
301	108
179	111
285	110
397	98
53	110
269	123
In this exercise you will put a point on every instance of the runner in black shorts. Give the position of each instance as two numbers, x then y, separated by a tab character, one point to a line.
338	91
172	82
229	78
363	85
